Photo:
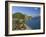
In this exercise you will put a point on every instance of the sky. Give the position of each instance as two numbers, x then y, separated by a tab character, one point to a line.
30	11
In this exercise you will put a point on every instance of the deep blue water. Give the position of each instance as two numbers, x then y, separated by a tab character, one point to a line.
34	23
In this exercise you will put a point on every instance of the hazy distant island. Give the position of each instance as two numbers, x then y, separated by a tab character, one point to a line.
19	21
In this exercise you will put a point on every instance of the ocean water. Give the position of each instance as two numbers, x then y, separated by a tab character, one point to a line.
34	23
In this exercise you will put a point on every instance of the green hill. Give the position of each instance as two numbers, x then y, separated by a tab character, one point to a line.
19	15
21	18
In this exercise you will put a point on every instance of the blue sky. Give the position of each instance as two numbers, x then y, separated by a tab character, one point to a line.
30	11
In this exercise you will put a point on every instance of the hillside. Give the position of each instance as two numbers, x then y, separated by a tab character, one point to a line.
18	21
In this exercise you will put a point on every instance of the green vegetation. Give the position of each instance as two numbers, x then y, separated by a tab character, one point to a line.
19	23
19	15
